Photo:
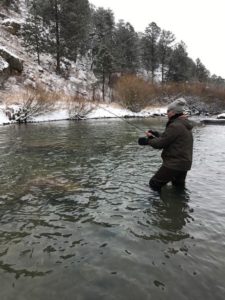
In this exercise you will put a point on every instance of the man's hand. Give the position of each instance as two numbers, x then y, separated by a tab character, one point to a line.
149	134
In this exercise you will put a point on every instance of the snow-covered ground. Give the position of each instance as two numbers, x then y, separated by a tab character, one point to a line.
99	111
221	116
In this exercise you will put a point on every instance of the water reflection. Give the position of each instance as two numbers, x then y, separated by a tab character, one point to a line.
175	210
170	213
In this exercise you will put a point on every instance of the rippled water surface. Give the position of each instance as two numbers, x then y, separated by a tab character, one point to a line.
78	221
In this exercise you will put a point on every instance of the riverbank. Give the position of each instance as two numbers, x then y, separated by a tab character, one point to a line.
98	111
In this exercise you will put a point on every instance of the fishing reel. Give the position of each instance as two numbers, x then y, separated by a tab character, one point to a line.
143	141
154	133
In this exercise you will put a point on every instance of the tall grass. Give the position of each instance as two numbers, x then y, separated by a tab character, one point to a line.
135	93
26	103
31	102
78	107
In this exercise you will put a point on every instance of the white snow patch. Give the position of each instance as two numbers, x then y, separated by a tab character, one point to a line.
221	116
52	116
11	20
3	64
9	52
100	111
3	118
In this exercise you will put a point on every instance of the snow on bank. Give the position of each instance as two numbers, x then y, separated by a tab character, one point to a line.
3	118
3	64
100	111
221	116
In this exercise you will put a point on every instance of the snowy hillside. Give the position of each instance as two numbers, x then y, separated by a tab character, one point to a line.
19	69
27	72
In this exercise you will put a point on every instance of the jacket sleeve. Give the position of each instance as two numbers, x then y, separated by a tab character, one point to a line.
168	136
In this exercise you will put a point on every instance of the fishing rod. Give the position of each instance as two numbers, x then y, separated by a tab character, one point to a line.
122	118
142	140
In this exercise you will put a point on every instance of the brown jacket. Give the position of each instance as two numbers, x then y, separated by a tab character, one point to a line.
177	144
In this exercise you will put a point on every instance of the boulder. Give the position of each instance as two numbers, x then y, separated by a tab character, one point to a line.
12	26
14	62
4	71
3	65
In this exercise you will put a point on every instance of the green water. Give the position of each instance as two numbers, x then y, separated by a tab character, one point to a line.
78	221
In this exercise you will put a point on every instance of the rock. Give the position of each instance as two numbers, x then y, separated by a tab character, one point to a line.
14	62
4	66
3	16
12	26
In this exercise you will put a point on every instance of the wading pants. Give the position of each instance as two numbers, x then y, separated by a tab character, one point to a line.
165	175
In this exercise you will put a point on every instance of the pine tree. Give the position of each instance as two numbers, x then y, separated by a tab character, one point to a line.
103	66
165	50
150	48
75	19
33	31
178	68
217	80
201	73
68	22
126	48
49	11
102	45
6	3
10	4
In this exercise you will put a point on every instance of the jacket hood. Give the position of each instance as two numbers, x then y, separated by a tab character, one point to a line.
188	124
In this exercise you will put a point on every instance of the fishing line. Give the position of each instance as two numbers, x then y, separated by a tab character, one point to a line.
122	118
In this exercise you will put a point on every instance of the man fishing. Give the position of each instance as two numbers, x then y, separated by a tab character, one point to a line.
177	144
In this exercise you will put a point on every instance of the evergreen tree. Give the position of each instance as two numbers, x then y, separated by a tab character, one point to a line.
191	69
75	19
103	66
201	73
103	30
50	11
165	50
102	45
67	21
6	3
150	48
33	31
126	48
217	80
9	4
178	68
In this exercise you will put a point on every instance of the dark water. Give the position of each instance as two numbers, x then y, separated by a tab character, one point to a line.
78	221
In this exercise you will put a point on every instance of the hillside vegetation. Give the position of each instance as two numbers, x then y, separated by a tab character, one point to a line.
78	50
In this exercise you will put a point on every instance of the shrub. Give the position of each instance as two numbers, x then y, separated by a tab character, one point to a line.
31	103
79	107
134	92
207	92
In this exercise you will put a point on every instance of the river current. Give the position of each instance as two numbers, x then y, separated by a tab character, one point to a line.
78	220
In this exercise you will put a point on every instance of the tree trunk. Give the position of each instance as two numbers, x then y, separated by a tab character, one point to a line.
103	85
57	37
37	49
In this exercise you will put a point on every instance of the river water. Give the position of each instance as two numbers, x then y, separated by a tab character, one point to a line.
78	220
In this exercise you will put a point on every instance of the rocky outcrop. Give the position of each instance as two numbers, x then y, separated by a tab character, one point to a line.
15	64
4	66
12	26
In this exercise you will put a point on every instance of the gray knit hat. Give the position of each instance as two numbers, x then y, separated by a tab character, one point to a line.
178	106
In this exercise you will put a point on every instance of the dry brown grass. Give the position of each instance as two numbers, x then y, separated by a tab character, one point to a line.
31	102
78	107
135	93
203	90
